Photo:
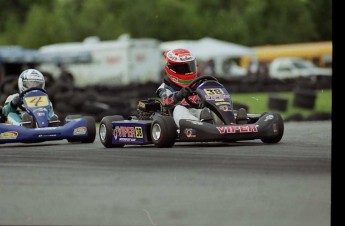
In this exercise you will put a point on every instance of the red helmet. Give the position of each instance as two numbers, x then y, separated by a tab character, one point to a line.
180	66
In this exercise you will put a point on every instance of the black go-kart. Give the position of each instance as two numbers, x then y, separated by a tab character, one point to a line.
154	123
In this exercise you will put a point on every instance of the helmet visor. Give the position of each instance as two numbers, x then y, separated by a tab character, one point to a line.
33	84
183	68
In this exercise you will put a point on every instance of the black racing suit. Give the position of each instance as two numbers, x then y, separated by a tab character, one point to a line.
170	98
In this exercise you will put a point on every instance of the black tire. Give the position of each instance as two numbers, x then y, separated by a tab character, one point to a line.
106	130
280	128
2	117
237	106
295	117
9	85
163	131
91	130
319	116
65	109
277	103
90	126
304	99
94	107
67	119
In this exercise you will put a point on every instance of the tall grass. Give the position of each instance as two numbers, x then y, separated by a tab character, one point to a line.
258	102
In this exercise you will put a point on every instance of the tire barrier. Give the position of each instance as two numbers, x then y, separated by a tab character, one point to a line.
296	117
265	84
319	116
323	82
304	98
94	107
237	106
2	98
9	85
278	103
101	100
2	119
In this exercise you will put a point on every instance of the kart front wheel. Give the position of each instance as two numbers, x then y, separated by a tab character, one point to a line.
163	131
91	130
278	126
106	130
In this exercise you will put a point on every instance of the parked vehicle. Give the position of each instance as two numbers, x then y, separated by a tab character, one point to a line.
294	67
113	62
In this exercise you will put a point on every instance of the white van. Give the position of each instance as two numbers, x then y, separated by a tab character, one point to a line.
294	67
115	62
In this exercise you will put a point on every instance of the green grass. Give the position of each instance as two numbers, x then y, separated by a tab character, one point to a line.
258	102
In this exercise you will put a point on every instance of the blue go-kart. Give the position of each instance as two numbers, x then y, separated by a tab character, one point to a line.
36	102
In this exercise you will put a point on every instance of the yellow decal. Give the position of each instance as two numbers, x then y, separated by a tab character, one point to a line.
213	91
37	101
138	132
221	103
141	104
9	135
79	131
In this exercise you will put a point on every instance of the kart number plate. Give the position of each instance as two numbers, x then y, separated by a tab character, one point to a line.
37	101
213	91
138	132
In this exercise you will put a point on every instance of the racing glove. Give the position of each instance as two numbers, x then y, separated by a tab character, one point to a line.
16	102
183	93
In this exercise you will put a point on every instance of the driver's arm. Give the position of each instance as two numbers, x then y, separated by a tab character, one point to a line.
8	107
168	96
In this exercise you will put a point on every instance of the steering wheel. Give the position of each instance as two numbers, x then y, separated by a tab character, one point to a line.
196	81
22	94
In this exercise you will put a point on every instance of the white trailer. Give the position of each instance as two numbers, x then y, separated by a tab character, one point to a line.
117	62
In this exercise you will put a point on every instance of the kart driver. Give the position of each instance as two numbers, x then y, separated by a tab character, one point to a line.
180	71
29	78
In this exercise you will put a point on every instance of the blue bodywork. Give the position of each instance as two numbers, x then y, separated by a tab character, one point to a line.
37	104
13	133
132	132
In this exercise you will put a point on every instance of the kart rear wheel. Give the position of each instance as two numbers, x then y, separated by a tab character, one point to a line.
91	130
90	126
163	131
106	130
279	125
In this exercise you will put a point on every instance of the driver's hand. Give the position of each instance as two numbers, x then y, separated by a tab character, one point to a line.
16	102
184	93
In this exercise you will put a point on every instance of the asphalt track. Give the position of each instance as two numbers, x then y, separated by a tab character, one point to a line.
241	184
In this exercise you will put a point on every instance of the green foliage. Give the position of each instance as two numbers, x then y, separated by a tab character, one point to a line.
33	23
276	22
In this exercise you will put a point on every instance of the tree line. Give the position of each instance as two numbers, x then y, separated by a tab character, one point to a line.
34	23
